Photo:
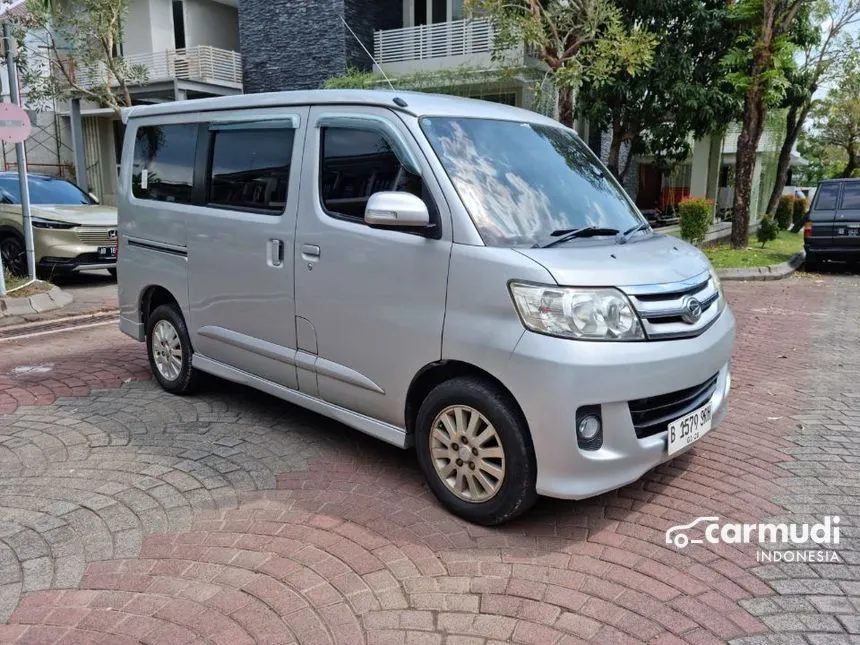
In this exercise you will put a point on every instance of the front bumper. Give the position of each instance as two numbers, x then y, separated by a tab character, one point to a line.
63	251
551	378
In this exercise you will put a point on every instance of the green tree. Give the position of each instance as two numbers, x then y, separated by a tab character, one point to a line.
823	161
823	55
757	66
837	117
77	52
683	90
577	40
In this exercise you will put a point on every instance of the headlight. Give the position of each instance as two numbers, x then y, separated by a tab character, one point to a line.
721	299
585	314
40	222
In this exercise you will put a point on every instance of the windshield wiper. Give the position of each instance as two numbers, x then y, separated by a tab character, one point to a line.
626	235
564	234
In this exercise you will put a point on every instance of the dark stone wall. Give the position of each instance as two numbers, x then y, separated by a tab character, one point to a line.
366	16
298	44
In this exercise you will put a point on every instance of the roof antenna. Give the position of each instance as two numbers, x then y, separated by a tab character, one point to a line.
358	40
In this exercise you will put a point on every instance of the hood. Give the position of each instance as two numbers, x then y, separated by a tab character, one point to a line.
601	263
93	215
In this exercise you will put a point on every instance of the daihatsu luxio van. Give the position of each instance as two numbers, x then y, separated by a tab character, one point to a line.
455	275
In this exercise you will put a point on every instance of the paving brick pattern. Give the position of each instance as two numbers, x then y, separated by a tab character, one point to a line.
129	516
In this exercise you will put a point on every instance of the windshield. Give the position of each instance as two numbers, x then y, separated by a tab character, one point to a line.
44	190
522	182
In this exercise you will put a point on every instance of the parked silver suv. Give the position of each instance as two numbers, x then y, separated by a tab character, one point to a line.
452	274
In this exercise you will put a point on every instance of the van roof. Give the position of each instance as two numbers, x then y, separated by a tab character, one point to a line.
414	103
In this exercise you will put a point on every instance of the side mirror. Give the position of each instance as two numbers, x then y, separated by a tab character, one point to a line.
396	209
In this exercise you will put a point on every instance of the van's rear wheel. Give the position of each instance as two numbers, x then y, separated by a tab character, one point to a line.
169	349
474	450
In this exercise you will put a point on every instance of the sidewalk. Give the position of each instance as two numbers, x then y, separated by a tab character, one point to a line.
92	293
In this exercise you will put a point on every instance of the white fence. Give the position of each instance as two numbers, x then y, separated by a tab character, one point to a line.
455	38
204	64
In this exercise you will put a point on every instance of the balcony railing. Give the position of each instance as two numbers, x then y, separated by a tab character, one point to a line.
202	64
455	38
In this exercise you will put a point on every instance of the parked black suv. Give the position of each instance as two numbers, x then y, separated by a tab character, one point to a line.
832	227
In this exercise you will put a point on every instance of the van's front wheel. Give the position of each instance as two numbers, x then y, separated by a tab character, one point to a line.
474	450
169	349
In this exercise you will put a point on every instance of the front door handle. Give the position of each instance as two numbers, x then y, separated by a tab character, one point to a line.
310	250
276	254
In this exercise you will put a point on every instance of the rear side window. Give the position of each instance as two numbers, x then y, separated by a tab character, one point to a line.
164	162
826	198
851	196
356	164
250	168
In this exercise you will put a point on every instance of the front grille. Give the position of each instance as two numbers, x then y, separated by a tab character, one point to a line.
96	236
661	307
654	413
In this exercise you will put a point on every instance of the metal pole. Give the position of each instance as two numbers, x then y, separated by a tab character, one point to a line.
22	158
76	124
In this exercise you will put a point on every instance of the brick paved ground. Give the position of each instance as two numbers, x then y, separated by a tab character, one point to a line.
128	516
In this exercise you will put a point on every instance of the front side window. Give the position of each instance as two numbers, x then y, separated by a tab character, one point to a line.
250	168
44	190
164	162
521	182
826	198
355	165
851	196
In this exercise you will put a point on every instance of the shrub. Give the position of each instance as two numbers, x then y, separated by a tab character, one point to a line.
768	229
800	205
695	215
785	211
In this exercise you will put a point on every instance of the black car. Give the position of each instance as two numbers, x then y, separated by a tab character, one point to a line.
832	227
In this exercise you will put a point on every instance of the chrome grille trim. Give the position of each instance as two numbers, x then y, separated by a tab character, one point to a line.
95	236
660	306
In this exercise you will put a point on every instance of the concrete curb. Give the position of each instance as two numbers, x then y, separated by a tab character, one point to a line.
772	272
56	298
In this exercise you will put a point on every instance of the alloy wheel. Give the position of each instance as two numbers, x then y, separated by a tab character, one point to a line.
167	350
467	453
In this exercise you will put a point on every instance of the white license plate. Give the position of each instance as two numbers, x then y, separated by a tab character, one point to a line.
689	428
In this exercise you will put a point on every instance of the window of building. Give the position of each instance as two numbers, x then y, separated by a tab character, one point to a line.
178	24
355	165
827	196
851	196
164	162
251	168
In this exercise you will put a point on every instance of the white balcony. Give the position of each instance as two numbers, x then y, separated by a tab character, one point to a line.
201	64
442	45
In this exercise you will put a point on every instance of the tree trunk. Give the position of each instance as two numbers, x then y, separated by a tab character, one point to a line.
853	161
615	150
565	106
745	164
794	125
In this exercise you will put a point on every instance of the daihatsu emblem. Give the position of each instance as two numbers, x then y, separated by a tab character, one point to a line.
691	310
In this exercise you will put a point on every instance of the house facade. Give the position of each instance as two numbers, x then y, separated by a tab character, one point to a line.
189	48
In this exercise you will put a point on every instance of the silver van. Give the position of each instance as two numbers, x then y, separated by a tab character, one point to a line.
455	275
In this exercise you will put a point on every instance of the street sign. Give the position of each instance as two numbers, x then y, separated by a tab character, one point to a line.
14	123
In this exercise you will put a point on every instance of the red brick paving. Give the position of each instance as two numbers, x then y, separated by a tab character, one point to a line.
355	549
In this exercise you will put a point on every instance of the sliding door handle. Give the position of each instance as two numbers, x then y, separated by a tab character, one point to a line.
276	254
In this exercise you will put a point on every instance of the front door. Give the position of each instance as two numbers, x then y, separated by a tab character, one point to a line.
371	301
240	244
823	216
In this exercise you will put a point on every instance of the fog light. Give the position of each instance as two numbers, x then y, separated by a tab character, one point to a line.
589	427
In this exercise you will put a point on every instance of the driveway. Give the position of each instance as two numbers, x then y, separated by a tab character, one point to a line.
130	516
92	291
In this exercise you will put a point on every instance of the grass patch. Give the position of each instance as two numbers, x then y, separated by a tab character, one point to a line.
723	256
13	282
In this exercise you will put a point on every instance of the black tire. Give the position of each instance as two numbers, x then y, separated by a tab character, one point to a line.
187	378
14	254
811	264
516	493
112	273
